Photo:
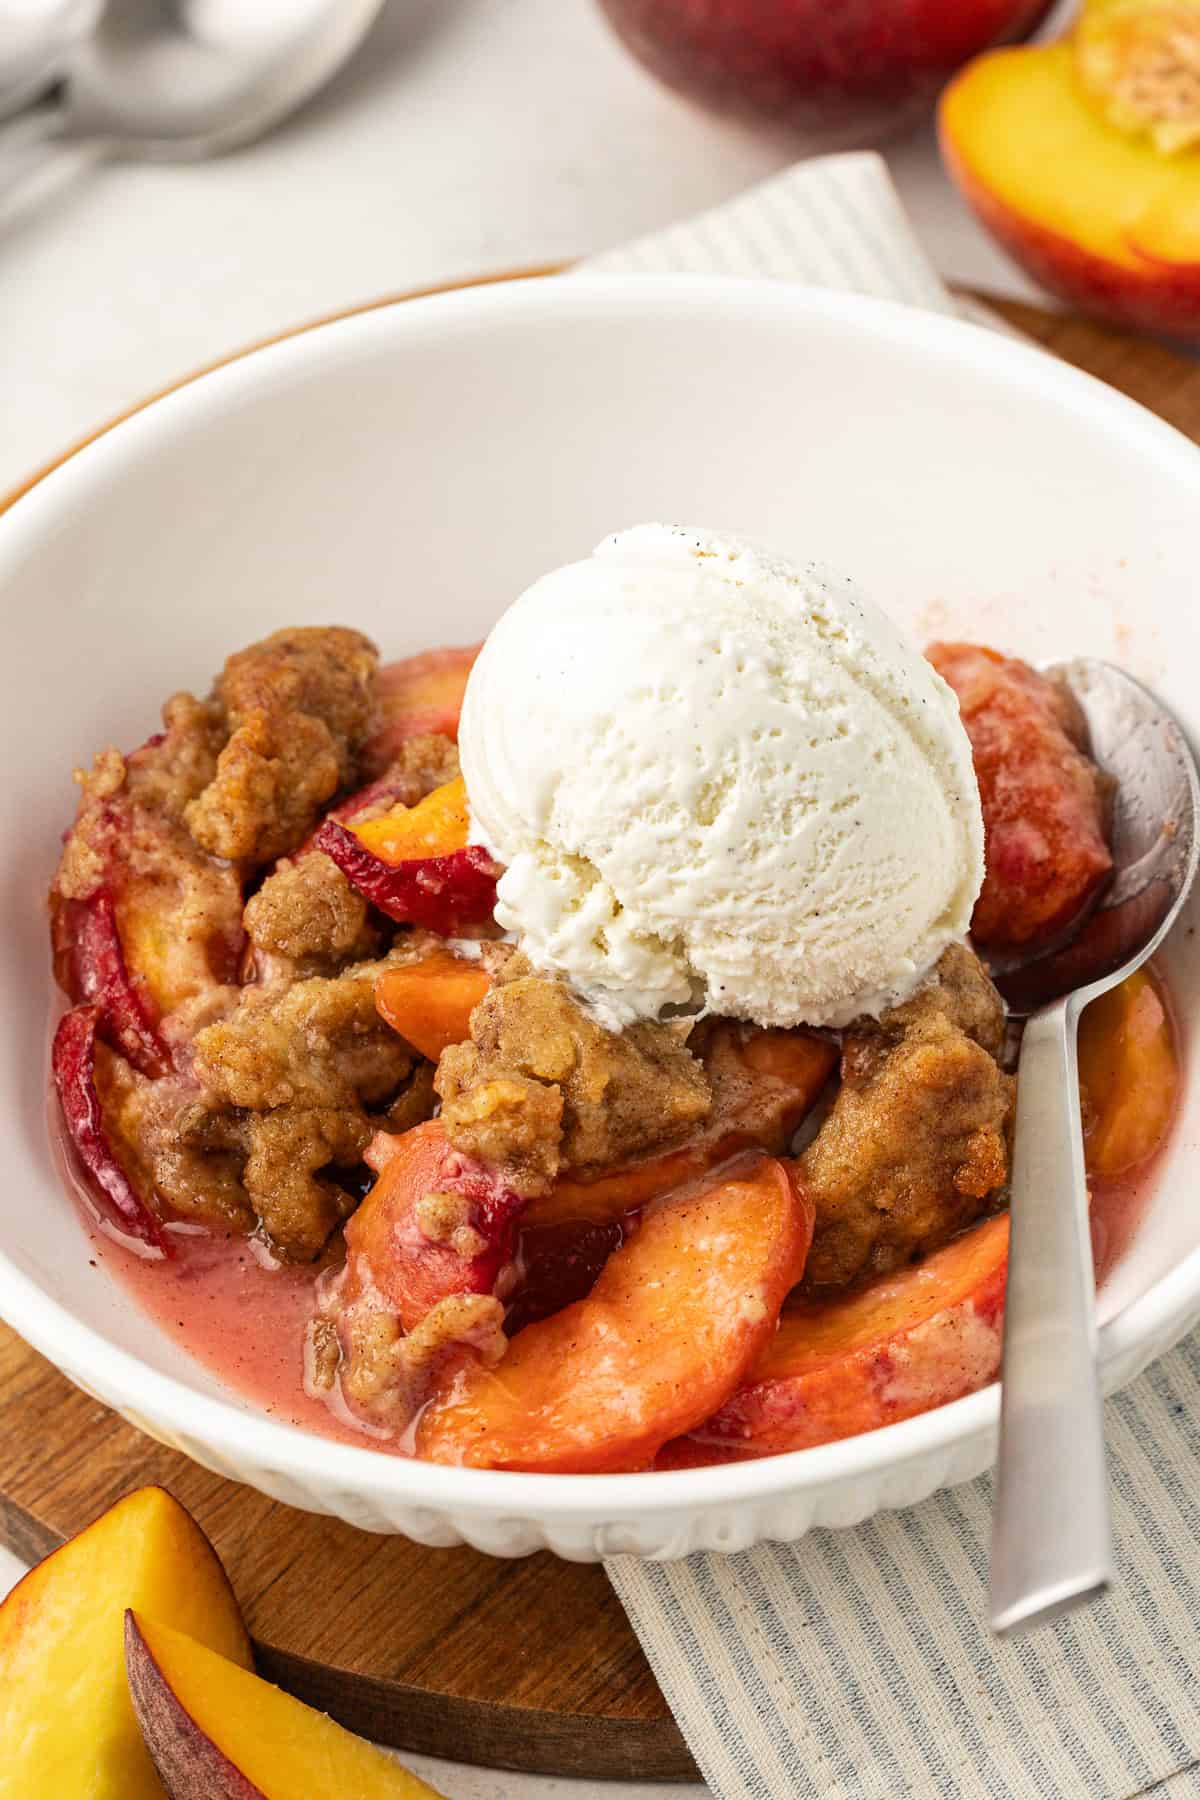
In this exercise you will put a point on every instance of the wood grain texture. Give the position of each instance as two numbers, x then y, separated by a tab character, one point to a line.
527	1665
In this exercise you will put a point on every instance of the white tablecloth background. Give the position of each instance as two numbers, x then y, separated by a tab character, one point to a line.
467	135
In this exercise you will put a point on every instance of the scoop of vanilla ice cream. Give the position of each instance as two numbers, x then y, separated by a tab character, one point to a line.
718	779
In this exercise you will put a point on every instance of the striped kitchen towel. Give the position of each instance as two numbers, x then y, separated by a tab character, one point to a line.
857	1665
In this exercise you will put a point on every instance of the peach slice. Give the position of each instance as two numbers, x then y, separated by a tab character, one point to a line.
378	796
73	1064
420	694
434	1225
414	862
430	1002
163	925
677	1316
900	1346
218	1732
445	894
788	1067
66	1724
90	965
438	825
1128	1076
1061	149
1044	801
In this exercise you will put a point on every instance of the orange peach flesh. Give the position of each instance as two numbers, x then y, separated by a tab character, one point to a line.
219	1732
678	1315
905	1344
1128	1076
430	1002
436	826
1096	214
66	1723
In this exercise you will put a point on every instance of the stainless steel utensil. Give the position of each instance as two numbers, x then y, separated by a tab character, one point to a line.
159	81
1051	1538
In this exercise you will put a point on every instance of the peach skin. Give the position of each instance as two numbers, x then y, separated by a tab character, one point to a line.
677	1316
1082	158
901	1345
66	1724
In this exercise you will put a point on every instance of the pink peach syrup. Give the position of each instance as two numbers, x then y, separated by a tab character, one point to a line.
243	1317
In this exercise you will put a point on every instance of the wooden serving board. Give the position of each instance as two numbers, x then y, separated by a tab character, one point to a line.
527	1665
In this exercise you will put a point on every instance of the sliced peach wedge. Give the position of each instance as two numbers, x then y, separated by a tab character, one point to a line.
415	864
67	1728
783	1074
78	1064
899	1346
434	1225
1128	1076
1083	159
218	1732
678	1315
430	1002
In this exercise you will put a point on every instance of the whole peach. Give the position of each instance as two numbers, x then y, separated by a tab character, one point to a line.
838	71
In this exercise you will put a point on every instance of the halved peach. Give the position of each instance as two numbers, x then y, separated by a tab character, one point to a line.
434	1225
420	694
1128	1075
218	1732
1080	157
430	1002
906	1343
677	1316
67	1729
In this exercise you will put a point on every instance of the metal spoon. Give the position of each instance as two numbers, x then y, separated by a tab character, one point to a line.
1051	1538
160	81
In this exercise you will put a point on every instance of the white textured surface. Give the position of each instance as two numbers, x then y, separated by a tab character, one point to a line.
466	135
718	777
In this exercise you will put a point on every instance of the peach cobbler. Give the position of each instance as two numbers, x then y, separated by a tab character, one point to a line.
634	1094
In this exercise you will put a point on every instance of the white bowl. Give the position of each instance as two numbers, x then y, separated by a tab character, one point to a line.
408	470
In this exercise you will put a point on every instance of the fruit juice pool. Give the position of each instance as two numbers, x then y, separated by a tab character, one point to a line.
243	1317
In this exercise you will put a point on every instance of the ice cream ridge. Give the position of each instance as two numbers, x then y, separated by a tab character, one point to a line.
719	781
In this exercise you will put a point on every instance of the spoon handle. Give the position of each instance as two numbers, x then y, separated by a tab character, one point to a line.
1051	1539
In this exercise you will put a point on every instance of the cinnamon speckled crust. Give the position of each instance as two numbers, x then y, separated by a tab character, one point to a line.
541	1087
298	707
916	1143
306	911
318	1042
194	1175
288	1149
959	989
387	1375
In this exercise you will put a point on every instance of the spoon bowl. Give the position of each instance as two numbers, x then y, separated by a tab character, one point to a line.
159	81
1051	1537
1152	837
